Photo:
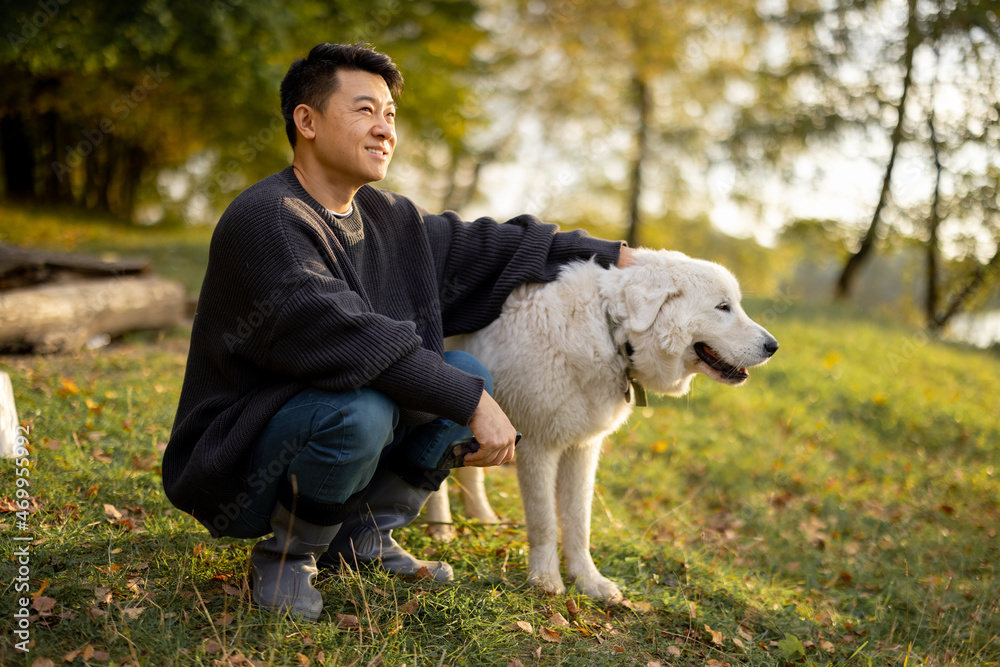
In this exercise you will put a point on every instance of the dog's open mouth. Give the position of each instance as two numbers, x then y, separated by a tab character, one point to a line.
712	359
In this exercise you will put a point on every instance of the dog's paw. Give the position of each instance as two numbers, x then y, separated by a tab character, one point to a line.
548	582
443	532
597	585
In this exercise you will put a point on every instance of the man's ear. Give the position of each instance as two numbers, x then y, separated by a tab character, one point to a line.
305	117
646	290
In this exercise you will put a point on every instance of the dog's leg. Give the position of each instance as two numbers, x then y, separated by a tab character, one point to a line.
575	492
474	500
437	513
536	475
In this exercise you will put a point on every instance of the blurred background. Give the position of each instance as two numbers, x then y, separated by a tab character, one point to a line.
822	150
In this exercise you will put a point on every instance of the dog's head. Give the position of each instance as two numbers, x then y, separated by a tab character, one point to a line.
682	316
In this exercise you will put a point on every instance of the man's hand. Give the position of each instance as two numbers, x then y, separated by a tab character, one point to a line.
626	257
494	433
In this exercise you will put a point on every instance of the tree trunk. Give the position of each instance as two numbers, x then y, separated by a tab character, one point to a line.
18	158
930	304
849	272
125	182
958	301
644	107
64	317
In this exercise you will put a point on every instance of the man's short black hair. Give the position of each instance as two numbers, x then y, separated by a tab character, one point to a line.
313	79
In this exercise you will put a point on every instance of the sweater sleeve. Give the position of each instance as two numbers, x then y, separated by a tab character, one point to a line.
480	263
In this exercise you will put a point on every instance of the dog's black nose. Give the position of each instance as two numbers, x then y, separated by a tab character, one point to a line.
771	346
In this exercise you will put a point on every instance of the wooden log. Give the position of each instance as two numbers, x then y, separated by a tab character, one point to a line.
24	267
64	317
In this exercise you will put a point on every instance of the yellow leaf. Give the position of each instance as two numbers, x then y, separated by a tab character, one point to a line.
69	387
831	360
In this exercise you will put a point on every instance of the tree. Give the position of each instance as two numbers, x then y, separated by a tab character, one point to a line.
100	97
917	78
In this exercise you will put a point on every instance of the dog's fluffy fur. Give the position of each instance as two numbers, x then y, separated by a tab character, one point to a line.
558	362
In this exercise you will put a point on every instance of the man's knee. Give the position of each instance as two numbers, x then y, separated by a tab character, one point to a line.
370	419
468	363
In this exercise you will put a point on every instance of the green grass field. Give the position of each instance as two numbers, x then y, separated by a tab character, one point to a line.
842	508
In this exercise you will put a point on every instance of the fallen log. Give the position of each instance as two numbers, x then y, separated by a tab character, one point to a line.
64	317
25	267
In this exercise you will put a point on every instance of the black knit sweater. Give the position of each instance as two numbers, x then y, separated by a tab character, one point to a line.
294	297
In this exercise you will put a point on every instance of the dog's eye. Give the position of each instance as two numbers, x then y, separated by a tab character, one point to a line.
724	307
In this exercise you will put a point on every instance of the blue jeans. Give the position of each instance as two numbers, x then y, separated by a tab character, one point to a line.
326	447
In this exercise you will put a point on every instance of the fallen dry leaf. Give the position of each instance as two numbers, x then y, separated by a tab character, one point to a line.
212	646
347	621
103	595
550	635
520	626
674	650
94	613
224	619
132	613
410	607
112	512
43	662
515	663
716	636
558	620
43	605
572	607
303	660
745	633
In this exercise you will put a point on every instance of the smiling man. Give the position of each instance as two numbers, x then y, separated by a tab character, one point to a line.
318	397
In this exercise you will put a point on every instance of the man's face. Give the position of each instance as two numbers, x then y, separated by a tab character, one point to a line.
356	133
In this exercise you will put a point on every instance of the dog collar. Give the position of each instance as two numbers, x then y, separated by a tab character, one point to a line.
631	388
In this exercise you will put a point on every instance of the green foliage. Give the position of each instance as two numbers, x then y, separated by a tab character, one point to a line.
106	94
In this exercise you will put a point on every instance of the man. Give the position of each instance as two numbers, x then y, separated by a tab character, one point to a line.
318	397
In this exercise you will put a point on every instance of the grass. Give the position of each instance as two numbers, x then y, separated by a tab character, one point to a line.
842	508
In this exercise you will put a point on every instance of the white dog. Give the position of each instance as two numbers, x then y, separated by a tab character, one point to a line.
566	359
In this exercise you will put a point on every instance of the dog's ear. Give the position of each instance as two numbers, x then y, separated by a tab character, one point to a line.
646	290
